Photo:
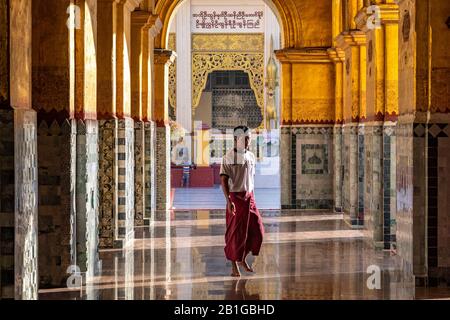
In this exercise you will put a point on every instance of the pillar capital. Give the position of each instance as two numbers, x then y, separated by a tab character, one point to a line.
344	40
140	18
302	56
386	13
154	25
165	57
129	4
351	38
336	55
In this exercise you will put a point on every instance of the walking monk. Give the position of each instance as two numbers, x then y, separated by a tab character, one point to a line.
245	230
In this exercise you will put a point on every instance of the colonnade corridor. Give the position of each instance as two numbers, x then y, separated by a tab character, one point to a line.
305	255
120	121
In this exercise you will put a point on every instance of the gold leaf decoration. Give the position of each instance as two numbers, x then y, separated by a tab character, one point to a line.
205	63
249	42
172	45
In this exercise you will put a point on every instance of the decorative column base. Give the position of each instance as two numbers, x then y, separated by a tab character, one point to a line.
87	198
338	169
350	191
162	167
411	195
373	205
361	177
18	205
310	183
422	197
389	186
107	182
57	216
150	171
125	163
139	176
286	164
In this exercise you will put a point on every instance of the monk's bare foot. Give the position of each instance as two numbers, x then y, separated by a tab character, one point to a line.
235	270
246	266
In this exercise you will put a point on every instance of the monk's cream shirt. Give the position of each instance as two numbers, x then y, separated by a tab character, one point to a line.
240	169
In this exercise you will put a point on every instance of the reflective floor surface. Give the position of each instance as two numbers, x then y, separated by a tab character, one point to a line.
305	255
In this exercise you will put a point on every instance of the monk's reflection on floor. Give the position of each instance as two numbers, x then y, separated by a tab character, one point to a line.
238	291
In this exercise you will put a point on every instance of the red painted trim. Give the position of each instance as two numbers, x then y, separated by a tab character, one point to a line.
106	116
304	122
161	123
51	116
82	115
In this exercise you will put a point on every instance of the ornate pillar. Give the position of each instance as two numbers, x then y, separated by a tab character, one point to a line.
287	173
67	137
389	20
139	20
307	135
338	57
149	32
56	137
86	174
162	60
18	162
354	108
125	134
106	113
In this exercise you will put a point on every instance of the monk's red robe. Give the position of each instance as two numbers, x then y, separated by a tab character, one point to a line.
245	229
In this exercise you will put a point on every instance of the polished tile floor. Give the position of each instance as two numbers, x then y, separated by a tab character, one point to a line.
305	255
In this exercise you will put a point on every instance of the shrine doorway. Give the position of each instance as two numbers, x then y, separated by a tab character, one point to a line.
217	82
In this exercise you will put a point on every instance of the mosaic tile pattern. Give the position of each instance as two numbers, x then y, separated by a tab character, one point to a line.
338	167
139	187
107	182
149	171
438	226
350	164
285	167
125	166
411	211
130	181
361	176
373	214
6	204
26	217
87	197
57	217
389	183
311	172
443	185
314	159
162	167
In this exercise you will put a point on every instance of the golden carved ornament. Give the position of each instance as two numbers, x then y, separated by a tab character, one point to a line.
172	45
249	42
205	63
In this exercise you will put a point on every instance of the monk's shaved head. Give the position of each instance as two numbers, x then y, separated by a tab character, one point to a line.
241	131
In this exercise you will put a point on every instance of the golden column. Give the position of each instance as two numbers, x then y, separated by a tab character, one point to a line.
353	43
271	85
23	221
389	18
338	58
162	60
139	21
